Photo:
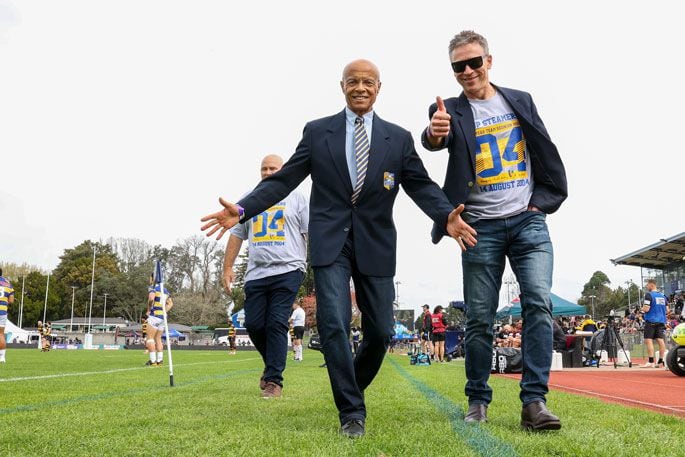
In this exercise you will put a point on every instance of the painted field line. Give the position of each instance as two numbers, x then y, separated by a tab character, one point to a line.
106	395
604	378
477	437
117	370
633	381
621	399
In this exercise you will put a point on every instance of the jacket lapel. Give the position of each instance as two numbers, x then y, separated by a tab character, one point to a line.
336	146
467	125
380	143
514	102
520	110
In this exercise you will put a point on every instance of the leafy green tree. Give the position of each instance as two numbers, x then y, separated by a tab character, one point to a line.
75	269
308	303
418	323
598	280
14	271
34	300
597	286
456	318
238	289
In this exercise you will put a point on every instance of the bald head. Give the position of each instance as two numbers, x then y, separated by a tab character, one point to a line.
363	65
270	165
360	83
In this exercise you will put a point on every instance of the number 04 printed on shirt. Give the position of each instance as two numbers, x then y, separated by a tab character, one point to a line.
502	153
269	226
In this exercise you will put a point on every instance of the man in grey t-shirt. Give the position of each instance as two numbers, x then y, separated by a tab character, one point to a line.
505	169
276	264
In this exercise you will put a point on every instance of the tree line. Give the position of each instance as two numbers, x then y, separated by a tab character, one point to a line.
193	275
598	291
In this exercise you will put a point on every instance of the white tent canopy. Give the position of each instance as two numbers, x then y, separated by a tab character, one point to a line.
14	334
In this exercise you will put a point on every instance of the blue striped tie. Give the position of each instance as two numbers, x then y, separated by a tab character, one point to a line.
361	154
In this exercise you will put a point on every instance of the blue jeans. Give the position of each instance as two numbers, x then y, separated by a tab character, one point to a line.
268	302
350	375
524	239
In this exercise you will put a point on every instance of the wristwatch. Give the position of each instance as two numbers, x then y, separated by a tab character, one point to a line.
241	211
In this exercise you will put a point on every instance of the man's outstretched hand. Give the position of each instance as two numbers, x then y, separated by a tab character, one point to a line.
460	230
222	220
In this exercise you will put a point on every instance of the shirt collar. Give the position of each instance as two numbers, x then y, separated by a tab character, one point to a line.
351	116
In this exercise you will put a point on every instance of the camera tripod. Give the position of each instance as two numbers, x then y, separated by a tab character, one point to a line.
609	340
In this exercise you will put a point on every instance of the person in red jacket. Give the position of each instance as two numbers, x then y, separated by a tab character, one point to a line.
439	323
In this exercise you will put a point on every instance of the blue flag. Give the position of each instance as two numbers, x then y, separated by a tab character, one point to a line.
159	275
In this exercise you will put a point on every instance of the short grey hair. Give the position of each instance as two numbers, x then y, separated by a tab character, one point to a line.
467	37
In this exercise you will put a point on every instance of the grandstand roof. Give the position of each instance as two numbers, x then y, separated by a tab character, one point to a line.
658	255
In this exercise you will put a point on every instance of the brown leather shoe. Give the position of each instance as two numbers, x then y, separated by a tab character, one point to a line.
477	412
272	390
535	416
262	382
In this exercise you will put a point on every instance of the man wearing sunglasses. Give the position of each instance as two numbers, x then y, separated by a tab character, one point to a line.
507	172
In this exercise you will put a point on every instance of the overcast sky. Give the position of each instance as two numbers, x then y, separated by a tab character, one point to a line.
130	118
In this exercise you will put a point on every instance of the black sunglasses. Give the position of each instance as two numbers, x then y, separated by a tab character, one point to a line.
473	63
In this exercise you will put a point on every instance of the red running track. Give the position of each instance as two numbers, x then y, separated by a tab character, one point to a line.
648	388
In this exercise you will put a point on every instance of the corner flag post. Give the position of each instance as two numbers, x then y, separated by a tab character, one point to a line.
159	279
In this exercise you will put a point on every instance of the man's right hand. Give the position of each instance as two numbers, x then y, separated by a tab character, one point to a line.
440	123
460	230
222	220
228	280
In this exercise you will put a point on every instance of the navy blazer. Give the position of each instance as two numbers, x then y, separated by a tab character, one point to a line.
549	175
392	161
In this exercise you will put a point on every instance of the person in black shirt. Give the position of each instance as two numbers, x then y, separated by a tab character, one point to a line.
426	328
558	336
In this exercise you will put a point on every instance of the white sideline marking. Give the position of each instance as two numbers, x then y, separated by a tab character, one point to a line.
118	370
613	379
613	397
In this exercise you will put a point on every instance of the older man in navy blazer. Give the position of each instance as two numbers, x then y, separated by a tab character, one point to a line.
504	167
357	161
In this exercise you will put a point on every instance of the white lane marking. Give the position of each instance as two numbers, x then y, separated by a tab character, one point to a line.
118	370
613	397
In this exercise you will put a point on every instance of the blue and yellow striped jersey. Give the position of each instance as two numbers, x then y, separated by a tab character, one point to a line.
6	291
157	309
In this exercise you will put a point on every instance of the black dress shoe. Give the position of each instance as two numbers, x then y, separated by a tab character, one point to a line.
477	412
353	428
535	416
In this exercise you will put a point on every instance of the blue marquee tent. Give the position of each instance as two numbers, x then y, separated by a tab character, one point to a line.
173	333
560	307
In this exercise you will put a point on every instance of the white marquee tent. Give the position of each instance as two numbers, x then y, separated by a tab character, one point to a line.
14	334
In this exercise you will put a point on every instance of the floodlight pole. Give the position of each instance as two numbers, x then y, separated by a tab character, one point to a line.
92	284
397	294
45	307
104	313
71	323
21	305
629	283
592	297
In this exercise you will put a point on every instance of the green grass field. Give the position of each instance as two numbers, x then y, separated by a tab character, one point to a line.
102	403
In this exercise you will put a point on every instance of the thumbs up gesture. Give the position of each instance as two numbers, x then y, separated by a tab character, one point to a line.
440	122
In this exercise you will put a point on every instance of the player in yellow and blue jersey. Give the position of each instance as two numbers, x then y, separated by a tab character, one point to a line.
155	321
6	299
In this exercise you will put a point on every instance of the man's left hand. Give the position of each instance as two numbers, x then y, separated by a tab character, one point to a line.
460	230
